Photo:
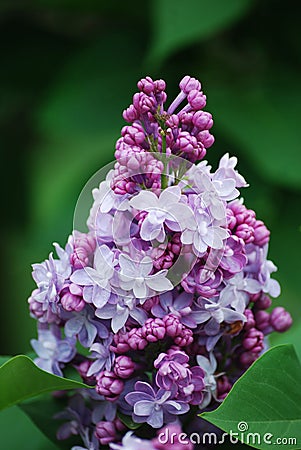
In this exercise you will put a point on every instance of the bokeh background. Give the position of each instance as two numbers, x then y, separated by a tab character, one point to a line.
69	68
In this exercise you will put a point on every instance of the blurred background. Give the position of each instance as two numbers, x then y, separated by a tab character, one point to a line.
70	67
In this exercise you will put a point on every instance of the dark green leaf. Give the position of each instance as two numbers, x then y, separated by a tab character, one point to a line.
41	411
267	398
128	422
18	432
21	379
265	127
176	24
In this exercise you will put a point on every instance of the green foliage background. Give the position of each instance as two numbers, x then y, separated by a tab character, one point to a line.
69	68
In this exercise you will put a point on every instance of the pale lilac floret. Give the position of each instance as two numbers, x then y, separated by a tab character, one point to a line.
50	277
261	268
119	309
96	281
175	303
209	366
85	327
136	276
53	352
204	234
237	290
154	408
226	169
214	313
167	209
102	356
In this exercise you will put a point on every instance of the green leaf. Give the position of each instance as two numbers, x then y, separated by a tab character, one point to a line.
41	411
128	422
267	398
18	432
263	126
21	379
176	24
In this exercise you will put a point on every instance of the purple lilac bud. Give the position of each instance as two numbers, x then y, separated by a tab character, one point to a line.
202	120
146	85
253	340
71	298
250	323
83	248
153	330
196	99
261	233
280	319
109	385
223	387
124	367
83	369
188	84
109	431
262	319
262	302
181	335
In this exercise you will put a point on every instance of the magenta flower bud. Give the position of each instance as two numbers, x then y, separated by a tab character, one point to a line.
160	85
261	233
146	85
124	367
202	120
245	232
136	339
205	138
188	84
150	303
173	325
280	319
83	248
70	301
153	330
109	385
173	121
250	319
253	340
133	135
223	387
130	114
262	319
263	302
82	369
109	431
196	99
121	342
185	338
143	103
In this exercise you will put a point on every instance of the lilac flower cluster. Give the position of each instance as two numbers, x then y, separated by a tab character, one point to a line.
169	292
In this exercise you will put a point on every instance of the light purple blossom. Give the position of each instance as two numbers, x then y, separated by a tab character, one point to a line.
119	309
53	352
85	326
204	234
135	275
96	281
102	355
167	209
154	408
237	290
209	367
226	170
214	312
178	304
